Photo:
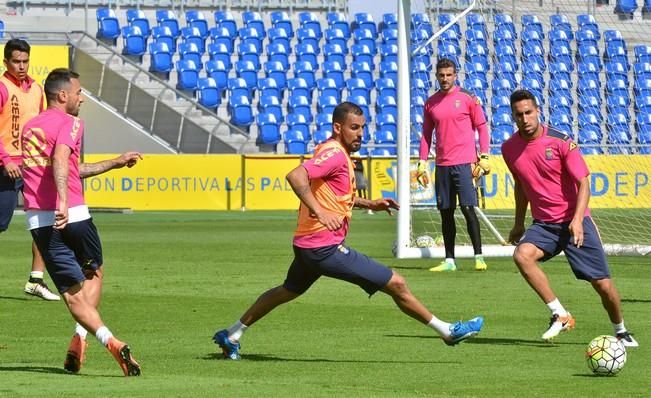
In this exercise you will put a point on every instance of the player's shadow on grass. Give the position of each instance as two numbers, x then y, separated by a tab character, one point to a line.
33	369
491	340
273	358
15	298
625	300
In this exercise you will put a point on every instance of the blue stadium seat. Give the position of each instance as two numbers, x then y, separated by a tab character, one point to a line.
363	71
309	20
251	35
308	36
279	36
253	20
208	93
385	87
590	134
642	53
390	21
306	53
531	22
561	121
301	105
561	99
504	23
2	29
642	70
588	70
476	52
160	61
323	120
449	36
590	116
616	86
505	53
298	122
365	37
386	122
268	129
321	135
298	86
271	104
187	75
163	34
334	71
135	43
337	36
387	105
169	19
475	84
560	71
386	139
362	53
614	36
196	19
280	19
642	103
560	22
356	86
504	37
338	21
587	22
277	52
237	88
389	70
475	69
502	87
476	22
588	37
305	71
560	38
334	53
219	52
364	21
420	71
219	72
249	72
108	26
221	35
326	104
476	36
327	86
615	52
500	104
533	52
642	86
191	52
499	134
419	20
532	36
240	111
192	34
587	100
276	71
501	119
137	18
444	19
643	128
295	142
560	53
226	20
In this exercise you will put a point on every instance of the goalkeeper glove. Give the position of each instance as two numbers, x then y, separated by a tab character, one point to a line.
422	176
483	167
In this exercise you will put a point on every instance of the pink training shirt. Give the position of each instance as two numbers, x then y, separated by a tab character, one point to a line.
454	117
40	136
334	171
549	169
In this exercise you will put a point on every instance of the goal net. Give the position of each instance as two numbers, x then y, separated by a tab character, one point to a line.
590	70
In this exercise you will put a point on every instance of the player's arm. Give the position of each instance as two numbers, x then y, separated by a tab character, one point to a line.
424	148
377	204
479	123
521	203
61	169
299	180
128	159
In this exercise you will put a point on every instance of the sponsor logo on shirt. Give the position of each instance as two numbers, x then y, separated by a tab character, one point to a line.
573	146
327	155
343	249
457	103
549	155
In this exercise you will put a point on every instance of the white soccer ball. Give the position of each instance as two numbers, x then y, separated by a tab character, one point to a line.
606	355
425	241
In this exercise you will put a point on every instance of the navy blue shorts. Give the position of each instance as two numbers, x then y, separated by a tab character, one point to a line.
452	181
588	262
9	189
339	262
70	252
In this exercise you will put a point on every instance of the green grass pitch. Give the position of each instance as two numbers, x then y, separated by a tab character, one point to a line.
173	279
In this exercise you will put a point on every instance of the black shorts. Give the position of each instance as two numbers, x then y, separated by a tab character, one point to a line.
70	251
9	189
339	262
451	181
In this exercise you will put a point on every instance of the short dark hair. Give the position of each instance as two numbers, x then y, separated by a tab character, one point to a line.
342	110
446	63
16	45
521	95
56	80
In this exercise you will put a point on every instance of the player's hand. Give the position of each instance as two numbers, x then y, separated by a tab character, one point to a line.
384	204
516	234
128	159
331	221
483	163
576	230
421	175
61	217
13	170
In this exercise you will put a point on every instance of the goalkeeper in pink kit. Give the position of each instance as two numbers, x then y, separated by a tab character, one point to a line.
454	114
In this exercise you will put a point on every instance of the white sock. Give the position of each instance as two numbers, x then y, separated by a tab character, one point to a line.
81	331
556	307
479	256
441	327
36	274
449	260
236	331
103	335
619	327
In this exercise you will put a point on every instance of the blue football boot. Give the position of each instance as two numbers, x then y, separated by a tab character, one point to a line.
230	349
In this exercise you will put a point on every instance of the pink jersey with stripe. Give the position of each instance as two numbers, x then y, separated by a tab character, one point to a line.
549	169
334	171
40	136
454	117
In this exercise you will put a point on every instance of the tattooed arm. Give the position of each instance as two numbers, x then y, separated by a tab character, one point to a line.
128	159
60	168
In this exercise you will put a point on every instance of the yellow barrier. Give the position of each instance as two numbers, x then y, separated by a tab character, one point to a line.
223	182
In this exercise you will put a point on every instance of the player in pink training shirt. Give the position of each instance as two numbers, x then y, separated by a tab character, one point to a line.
58	217
551	175
325	184
454	114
